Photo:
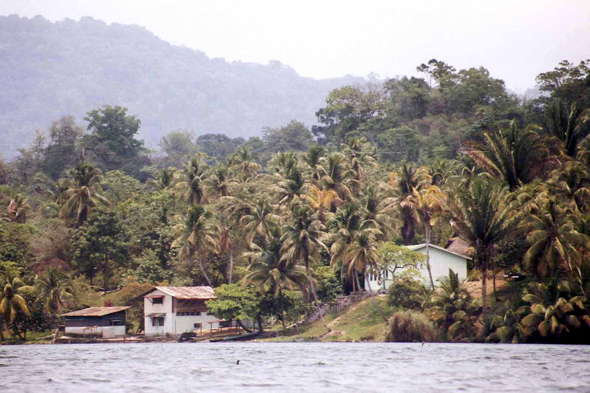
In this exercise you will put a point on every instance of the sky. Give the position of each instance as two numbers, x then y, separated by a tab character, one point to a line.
514	39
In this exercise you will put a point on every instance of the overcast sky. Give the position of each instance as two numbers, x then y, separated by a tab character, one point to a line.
515	40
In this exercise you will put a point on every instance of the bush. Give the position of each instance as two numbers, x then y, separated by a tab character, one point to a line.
409	326
406	291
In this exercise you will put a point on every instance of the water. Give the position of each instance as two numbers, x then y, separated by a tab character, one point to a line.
294	367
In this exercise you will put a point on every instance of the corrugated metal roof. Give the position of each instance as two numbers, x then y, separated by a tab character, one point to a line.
189	293
95	311
417	247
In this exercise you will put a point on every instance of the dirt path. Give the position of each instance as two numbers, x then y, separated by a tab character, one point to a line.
474	287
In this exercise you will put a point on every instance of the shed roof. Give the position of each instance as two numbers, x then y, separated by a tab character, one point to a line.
417	247
95	311
188	293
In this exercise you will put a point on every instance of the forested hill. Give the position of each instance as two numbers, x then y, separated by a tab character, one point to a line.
48	70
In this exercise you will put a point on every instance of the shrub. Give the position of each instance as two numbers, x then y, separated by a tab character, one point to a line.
406	291
409	326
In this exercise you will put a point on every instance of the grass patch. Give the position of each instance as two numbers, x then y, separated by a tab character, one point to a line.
359	322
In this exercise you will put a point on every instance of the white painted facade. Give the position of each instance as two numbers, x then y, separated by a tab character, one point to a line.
169	321
104	331
441	261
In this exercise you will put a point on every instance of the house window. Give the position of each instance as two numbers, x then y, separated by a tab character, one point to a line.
116	322
158	321
197	325
158	300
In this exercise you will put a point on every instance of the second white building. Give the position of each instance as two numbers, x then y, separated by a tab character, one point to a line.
175	310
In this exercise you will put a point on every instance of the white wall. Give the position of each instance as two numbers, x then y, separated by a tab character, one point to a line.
173	324
105	331
440	262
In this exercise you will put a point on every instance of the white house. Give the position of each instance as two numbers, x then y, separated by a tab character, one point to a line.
441	260
175	310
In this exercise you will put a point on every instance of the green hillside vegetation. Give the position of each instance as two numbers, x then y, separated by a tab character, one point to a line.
285	223
48	70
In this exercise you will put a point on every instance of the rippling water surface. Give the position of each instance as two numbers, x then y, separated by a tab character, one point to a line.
294	367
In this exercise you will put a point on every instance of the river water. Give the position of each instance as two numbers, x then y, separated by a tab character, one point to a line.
294	367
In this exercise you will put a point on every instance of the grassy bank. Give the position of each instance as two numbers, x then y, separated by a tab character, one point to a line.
358	322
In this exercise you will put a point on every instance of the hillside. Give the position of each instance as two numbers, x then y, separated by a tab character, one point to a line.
48	70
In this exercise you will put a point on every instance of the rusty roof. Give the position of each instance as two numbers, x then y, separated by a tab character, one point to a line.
188	293
95	311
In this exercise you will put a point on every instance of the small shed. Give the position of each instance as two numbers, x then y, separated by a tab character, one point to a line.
106	322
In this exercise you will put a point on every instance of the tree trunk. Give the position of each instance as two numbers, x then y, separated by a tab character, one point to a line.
353	284
231	265
203	271
427	233
483	288
243	327
494	280
105	268
373	297
356	277
282	310
259	320
315	296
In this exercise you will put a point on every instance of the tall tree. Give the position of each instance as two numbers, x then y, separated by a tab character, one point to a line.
426	204
197	236
301	242
83	194
482	218
516	156
100	246
111	142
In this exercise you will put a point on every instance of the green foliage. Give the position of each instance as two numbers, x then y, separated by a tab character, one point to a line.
453	310
234	301
551	313
149	268
329	287
111	142
100	246
406	291
409	326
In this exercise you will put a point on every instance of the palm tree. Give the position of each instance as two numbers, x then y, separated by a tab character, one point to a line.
362	255
358	160
568	125
320	200
282	163
83	194
196	236
225	245
347	221
217	185
53	288
270	275
10	304
243	162
404	180
164	180
313	159
301	242
190	182
18	209
290	188
426	203
261	220
336	176
572	183
554	242
377	210
482	218
515	156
